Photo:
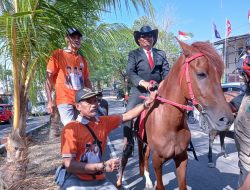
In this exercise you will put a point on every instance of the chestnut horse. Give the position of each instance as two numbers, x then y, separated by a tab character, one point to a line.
195	76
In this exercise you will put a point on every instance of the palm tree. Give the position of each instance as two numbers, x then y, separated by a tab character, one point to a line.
29	31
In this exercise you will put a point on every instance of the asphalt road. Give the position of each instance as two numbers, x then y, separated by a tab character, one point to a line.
32	122
199	176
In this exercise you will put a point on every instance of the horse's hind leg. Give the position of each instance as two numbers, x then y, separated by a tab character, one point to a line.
149	183
127	151
123	165
157	164
181	167
222	143
212	135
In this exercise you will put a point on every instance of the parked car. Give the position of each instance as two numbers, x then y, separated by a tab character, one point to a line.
39	109
232	89
6	113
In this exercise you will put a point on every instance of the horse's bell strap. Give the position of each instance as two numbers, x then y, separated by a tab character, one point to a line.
163	100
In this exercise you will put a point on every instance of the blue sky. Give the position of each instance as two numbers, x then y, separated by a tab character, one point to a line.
195	16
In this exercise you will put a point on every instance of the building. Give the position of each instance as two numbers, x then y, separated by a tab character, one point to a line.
231	53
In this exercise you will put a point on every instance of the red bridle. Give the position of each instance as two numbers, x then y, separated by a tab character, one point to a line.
185	70
188	80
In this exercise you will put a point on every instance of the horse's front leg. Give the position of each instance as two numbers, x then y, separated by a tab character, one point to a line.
157	164
149	183
212	135
222	143
181	168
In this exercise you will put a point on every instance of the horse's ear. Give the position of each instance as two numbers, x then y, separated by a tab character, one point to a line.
187	49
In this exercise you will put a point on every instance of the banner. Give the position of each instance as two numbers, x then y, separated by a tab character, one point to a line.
249	16
216	33
185	36
228	29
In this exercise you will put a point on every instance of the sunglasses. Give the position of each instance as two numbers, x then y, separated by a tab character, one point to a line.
146	36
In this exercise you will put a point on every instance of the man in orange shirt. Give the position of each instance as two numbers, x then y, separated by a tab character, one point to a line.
82	152
67	72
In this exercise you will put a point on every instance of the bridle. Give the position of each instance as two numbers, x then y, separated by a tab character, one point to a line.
185	71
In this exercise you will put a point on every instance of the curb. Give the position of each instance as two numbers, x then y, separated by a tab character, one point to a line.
2	146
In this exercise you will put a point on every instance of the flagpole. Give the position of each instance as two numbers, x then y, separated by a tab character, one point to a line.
225	54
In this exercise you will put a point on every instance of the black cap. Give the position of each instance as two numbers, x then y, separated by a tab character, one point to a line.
84	94
71	31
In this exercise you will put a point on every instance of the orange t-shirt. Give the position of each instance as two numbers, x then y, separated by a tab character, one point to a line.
77	142
70	71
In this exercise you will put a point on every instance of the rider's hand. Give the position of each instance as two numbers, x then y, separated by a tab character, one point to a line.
50	107
145	84
112	165
151	98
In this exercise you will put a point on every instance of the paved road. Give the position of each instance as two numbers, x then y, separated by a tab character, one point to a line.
199	176
32	122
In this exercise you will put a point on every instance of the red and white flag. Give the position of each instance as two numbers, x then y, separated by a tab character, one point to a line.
229	28
184	36
249	16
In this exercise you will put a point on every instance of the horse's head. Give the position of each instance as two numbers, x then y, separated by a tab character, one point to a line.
203	65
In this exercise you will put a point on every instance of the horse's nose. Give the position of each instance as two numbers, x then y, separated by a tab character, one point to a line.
225	121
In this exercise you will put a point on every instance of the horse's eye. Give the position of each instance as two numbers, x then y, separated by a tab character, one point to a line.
201	75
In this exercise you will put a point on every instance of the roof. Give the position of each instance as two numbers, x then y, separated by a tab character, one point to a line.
232	84
233	38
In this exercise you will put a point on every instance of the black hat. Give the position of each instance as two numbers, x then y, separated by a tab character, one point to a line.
84	94
146	30
72	30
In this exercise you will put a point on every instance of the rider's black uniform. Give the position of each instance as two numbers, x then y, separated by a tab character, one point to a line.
138	69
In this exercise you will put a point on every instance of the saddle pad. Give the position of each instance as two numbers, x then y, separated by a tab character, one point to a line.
141	131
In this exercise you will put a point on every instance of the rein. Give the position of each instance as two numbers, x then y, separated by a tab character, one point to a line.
185	71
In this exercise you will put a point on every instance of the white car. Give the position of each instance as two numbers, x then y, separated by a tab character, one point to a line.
39	109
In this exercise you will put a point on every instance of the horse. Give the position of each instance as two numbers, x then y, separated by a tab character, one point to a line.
167	132
211	134
234	103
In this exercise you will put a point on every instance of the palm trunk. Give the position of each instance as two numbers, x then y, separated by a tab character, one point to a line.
17	154
17	149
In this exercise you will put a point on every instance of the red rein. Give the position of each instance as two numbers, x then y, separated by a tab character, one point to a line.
185	71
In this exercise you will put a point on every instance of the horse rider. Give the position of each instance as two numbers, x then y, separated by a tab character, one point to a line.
242	121
144	64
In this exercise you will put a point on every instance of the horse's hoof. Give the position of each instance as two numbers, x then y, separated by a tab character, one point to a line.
118	183
149	186
210	164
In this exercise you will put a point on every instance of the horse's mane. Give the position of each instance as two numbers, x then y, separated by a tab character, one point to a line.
212	55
